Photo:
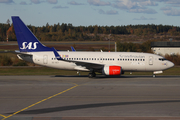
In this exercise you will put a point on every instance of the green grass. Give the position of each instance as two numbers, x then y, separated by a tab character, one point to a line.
50	71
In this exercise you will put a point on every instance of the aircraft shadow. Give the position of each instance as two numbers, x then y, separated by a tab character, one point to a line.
97	105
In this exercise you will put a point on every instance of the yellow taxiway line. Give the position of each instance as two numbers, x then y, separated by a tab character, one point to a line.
5	117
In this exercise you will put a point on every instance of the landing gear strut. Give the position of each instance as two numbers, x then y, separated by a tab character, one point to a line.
154	75
92	74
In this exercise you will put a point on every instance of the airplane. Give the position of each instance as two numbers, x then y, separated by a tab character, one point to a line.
106	63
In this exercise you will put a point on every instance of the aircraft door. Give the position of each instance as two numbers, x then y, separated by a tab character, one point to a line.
150	60
45	59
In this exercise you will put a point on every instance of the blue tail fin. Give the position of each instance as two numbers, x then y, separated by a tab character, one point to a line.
26	40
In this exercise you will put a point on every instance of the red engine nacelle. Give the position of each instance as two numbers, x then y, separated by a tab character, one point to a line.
112	70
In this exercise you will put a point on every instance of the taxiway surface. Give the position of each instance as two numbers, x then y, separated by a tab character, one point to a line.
79	96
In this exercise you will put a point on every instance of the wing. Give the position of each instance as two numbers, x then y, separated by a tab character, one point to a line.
87	65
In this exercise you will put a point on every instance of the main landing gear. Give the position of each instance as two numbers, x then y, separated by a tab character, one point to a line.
92	74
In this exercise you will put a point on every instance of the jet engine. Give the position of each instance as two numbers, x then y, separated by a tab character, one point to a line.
112	70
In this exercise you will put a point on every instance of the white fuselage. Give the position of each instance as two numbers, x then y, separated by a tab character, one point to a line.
129	61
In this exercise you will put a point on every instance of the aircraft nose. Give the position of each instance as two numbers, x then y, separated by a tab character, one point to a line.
171	64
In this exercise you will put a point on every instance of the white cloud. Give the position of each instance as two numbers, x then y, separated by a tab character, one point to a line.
144	18
98	3
75	3
110	12
173	2
23	3
6	1
140	10
52	1
148	3
136	6
36	1
60	7
125	4
172	12
171	7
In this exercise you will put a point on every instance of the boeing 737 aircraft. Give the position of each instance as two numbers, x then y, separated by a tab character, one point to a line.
107	63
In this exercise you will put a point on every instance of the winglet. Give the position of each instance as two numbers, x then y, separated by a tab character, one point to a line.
72	48
58	57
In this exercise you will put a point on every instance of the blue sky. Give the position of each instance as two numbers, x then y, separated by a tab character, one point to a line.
92	12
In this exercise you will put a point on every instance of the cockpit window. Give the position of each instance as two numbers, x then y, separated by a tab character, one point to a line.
162	59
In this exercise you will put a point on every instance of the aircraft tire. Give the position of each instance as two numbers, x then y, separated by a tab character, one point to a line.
90	75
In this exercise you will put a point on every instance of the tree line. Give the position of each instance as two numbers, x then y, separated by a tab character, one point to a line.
68	32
